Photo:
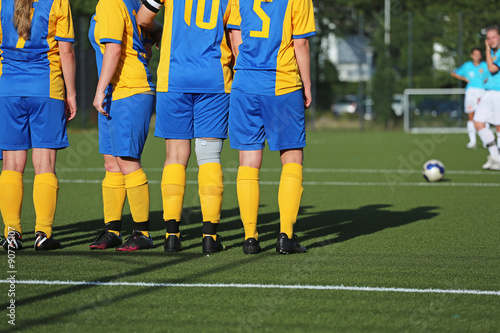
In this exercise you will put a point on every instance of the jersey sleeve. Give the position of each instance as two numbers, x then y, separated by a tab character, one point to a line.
153	5
64	25
303	24
460	70
234	21
111	20
496	62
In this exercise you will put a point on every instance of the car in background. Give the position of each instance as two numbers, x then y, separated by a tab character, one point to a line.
397	105
350	104
451	109
427	106
346	104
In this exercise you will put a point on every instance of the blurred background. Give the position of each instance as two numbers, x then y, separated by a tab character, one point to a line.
364	56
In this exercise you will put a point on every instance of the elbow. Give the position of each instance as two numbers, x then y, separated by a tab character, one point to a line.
67	55
301	44
142	22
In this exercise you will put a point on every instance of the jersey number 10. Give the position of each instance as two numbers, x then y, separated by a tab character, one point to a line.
200	10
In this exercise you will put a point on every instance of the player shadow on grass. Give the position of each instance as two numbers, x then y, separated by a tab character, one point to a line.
79	233
345	224
334	225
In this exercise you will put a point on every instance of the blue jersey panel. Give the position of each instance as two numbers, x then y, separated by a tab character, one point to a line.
195	64
259	55
26	68
98	53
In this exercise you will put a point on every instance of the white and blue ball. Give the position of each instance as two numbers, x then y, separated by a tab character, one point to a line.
433	170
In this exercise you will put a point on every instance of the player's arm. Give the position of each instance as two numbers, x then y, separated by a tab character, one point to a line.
301	46
147	13
67	56
456	76
146	19
489	60
235	41
112	52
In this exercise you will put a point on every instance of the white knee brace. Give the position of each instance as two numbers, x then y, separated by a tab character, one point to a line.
208	151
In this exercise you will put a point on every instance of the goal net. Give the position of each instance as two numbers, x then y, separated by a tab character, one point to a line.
434	110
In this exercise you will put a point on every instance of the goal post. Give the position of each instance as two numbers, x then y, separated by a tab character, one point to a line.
434	110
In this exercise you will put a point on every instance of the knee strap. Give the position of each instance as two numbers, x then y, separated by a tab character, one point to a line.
208	151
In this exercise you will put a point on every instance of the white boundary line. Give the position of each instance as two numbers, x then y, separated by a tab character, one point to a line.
322	183
257	286
306	170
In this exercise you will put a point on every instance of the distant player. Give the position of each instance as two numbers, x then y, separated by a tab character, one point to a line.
488	109
36	51
194	81
474	73
124	98
271	87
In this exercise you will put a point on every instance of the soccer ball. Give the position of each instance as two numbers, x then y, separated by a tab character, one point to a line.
433	170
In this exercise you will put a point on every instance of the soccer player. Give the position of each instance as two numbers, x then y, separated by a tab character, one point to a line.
36	51
474	73
194	81
271	87
488	109
124	98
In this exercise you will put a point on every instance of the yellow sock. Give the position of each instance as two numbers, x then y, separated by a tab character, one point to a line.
211	188
45	188
137	187
173	186
113	197
11	200
289	195
178	234
247	187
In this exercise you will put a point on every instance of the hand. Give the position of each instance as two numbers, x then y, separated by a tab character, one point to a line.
99	102
157	38
306	92
70	108
149	51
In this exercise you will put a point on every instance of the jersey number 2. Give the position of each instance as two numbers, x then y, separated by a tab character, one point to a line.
266	21
200	11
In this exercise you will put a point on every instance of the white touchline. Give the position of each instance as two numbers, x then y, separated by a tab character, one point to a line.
258	286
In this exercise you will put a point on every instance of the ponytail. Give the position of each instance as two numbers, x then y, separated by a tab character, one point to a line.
22	17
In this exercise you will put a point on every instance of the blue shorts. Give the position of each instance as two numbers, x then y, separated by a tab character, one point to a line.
255	118
124	132
188	115
32	122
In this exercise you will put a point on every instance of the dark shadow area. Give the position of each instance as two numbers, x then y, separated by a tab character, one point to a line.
343	225
339	225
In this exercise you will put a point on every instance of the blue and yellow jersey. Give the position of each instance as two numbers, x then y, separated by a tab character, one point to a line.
195	56
32	68
493	82
266	62
475	74
115	22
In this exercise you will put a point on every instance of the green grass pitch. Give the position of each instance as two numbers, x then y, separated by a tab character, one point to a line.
368	219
